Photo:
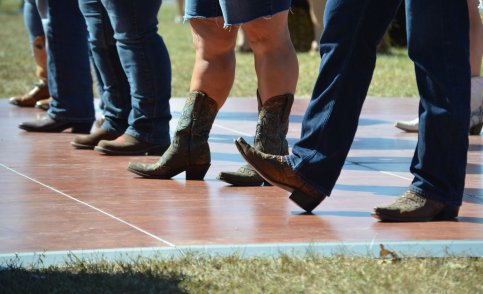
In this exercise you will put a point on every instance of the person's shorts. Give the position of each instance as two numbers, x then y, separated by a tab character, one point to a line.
234	12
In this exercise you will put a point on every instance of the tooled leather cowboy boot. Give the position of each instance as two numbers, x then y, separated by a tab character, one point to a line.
41	89
189	150
414	207
270	138
276	170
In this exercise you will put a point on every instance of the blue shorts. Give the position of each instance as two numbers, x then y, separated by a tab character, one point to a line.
234	12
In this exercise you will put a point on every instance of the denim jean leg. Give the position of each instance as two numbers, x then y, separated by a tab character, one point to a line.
353	29
147	65
32	20
70	82
116	98
438	43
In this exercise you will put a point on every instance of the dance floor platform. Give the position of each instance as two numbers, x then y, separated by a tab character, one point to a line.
56	201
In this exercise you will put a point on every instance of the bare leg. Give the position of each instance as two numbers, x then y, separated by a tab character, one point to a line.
317	8
214	68
276	62
180	6
476	37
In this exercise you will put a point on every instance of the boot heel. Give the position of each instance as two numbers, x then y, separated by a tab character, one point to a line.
197	172
476	129
308	203
82	128
448	213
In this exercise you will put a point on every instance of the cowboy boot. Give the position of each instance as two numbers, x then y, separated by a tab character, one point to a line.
189	150
270	138
41	89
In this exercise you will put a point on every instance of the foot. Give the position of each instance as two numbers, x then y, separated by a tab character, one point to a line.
43	104
413	207
410	126
245	176
49	125
90	141
275	170
39	91
128	145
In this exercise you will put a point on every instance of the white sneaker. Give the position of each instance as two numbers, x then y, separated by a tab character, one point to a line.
410	126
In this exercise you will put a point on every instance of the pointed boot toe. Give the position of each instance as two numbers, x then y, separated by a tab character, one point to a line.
245	176
144	170
276	170
413	207
90	141
128	145
49	125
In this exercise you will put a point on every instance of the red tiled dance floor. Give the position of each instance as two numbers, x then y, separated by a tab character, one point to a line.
55	199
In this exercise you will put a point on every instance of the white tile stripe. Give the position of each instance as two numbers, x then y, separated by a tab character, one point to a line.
231	130
394	175
90	206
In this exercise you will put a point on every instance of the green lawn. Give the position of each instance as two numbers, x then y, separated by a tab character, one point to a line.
393	76
191	273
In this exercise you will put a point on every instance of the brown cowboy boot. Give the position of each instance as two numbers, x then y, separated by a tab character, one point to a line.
413	207
189	150
90	141
128	145
276	170
41	89
270	138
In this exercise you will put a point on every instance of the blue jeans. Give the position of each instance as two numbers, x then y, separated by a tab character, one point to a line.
70	82
234	11
32	20
134	67
438	44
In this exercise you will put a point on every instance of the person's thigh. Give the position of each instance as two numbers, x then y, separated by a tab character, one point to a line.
132	19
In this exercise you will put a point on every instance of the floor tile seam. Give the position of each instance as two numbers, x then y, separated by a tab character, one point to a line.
65	195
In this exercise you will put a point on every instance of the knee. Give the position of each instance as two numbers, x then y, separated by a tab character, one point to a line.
211	46
263	41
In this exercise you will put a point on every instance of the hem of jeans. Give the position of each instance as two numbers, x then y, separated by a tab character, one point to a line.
433	196
238	23
315	186
69	119
111	128
147	139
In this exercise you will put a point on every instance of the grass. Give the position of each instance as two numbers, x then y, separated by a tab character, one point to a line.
394	74
193	273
